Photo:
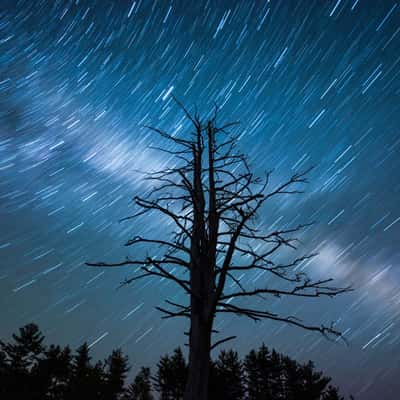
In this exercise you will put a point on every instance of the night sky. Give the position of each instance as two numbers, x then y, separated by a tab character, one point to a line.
312	83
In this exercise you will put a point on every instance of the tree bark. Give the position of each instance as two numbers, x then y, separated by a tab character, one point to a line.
199	359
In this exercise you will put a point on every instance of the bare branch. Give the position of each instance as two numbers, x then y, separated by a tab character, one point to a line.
257	315
222	341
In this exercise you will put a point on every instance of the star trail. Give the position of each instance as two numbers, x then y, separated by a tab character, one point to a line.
311	82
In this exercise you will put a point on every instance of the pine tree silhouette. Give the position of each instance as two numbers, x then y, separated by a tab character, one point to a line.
314	382
53	373
258	371
140	389
87	381
171	376
293	383
333	394
276	376
25	352
22	358
228	377
116	371
3	373
31	371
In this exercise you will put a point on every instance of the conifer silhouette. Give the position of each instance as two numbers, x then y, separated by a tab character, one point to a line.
29	370
141	388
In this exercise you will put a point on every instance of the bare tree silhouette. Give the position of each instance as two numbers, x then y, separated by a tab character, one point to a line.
211	198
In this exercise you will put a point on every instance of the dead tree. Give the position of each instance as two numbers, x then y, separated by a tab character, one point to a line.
212	198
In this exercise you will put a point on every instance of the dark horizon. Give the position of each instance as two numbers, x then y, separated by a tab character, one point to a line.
31	368
312	83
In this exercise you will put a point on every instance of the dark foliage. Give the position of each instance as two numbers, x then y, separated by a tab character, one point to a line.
140	389
227	377
171	376
116	370
30	370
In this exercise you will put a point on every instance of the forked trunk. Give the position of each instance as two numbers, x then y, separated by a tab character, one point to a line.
199	360
202	252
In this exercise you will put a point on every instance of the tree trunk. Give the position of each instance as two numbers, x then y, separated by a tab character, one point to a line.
199	359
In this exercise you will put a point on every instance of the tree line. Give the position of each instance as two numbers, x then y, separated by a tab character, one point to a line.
30	370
